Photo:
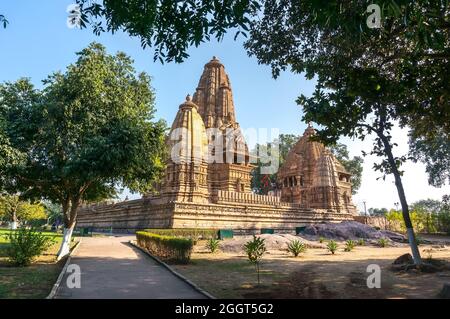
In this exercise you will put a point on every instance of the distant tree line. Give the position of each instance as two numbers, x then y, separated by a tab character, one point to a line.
427	216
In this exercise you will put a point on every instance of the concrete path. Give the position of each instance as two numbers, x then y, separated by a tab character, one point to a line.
111	268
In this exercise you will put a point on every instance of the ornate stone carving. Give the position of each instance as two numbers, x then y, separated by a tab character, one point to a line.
312	176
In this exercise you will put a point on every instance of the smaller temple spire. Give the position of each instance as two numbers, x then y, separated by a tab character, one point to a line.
309	130
188	103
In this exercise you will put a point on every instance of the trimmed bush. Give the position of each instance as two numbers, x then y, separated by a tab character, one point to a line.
192	233
168	248
25	245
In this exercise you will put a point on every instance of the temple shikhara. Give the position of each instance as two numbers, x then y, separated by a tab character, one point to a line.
207	182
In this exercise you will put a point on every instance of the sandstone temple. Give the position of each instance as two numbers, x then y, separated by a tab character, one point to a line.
208	176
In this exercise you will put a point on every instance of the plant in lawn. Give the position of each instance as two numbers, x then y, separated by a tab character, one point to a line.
383	242
212	245
296	247
349	245
332	246
25	245
255	249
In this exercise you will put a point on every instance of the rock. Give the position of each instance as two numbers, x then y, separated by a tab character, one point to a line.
349	230
394	236
445	292
273	242
404	259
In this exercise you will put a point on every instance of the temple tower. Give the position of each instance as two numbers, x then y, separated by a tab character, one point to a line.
187	168
229	168
313	177
214	97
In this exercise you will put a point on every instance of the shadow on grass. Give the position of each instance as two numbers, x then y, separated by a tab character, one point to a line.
3	248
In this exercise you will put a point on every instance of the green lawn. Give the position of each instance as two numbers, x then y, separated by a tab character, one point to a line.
35	281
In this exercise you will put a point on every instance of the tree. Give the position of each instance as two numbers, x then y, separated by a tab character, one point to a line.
434	151
255	250
429	205
53	212
276	150
8	155
3	21
170	26
378	211
367	79
13	209
444	215
89	130
353	166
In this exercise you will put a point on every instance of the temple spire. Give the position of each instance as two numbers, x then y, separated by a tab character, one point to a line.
214	96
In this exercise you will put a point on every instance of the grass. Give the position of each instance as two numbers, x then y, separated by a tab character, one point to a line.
33	282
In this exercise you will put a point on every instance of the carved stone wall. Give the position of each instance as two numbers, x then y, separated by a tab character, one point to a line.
312	176
140	214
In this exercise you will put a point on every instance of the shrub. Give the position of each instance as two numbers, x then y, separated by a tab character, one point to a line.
212	245
332	246
383	242
25	245
192	233
296	247
444	221
321	239
361	242
255	249
349	245
168	248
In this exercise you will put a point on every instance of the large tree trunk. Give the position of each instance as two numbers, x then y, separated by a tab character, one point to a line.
70	216
403	202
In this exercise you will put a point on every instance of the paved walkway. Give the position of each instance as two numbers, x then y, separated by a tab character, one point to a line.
111	268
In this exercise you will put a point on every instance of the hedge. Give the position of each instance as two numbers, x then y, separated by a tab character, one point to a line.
168	248
192	233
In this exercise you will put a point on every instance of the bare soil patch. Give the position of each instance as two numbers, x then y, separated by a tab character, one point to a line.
316	274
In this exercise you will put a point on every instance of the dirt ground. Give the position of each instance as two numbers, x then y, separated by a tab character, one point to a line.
315	274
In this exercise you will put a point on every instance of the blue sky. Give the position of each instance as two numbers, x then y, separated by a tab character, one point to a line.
37	42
